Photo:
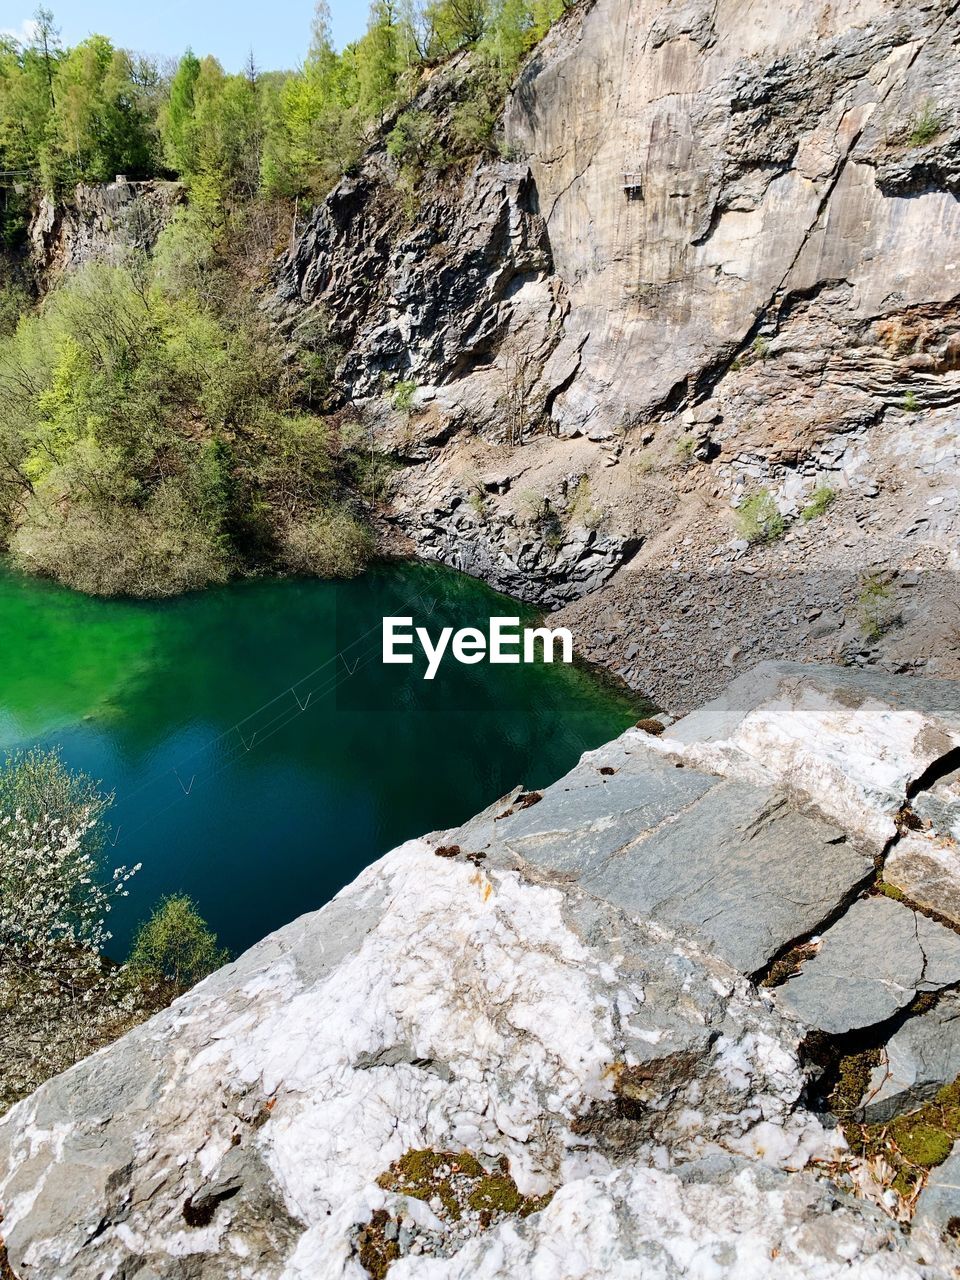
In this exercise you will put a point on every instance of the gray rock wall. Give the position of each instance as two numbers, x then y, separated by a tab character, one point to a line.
720	261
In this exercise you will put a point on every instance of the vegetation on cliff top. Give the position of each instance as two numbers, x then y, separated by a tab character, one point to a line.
90	112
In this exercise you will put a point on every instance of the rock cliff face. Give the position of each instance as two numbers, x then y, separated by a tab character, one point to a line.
99	224
565	1039
719	264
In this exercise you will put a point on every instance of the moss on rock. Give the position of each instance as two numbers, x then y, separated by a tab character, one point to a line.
912	1144
461	1191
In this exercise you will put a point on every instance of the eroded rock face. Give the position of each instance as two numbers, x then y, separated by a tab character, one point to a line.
581	1049
107	224
719	262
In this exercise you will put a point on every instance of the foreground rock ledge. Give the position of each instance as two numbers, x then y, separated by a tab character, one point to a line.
566	989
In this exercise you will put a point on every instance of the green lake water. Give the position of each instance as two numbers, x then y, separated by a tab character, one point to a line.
251	769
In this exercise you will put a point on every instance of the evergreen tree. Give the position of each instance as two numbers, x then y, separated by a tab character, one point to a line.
379	61
177	125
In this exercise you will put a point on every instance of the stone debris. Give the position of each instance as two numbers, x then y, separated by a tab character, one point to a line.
926	869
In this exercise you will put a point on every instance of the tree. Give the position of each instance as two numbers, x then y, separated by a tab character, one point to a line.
37	785
59	998
98	128
177	127
47	38
455	23
379	61
312	132
251	70
176	945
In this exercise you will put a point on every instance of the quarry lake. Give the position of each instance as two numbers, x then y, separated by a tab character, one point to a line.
251	769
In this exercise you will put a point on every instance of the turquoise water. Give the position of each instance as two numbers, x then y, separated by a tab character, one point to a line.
250	768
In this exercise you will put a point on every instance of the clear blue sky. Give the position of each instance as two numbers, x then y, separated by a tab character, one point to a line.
278	31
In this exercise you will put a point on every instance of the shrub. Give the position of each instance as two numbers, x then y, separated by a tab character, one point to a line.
160	550
403	394
14	301
685	447
924	125
540	513
333	544
823	497
759	518
59	998
412	142
910	402
176	945
875	606
474	120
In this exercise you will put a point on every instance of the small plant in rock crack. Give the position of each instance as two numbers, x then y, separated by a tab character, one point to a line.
402	398
761	347
822	499
875	606
476	494
759	518
477	502
685	449
925	124
910	402
542	515
581	508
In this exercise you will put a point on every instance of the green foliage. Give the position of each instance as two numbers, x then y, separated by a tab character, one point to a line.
334	544
39	786
177	122
925	125
176	945
14	300
910	402
413	144
92	111
403	394
685	449
153	444
875	606
455	23
822	499
82	114
759	518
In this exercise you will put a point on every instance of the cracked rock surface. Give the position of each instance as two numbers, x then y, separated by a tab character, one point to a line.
596	1036
870	964
917	1060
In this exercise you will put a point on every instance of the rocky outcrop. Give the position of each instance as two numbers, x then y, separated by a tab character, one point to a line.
107	223
560	1039
719	264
